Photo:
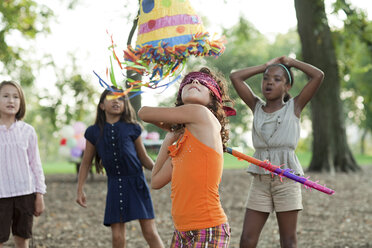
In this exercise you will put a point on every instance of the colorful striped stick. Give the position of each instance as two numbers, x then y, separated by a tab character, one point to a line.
280	172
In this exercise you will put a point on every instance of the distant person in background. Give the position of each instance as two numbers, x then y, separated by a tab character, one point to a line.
275	134
22	181
115	142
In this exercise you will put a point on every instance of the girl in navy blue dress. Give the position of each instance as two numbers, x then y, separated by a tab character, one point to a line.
116	145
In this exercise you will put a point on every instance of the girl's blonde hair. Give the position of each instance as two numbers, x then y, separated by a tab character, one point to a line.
22	106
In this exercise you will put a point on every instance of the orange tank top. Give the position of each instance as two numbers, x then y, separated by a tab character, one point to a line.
196	175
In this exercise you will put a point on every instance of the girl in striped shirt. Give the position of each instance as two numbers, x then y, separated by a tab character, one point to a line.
22	181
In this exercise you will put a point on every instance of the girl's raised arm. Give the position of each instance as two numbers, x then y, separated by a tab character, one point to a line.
315	79
190	113
162	172
242	88
145	159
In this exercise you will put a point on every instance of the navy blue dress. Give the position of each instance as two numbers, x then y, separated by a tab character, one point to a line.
128	196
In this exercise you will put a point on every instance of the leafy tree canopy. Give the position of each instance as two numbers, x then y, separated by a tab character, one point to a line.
21	21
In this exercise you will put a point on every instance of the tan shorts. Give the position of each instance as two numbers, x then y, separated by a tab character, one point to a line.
268	194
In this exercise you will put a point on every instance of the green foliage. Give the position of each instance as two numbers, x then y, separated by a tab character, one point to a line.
68	99
72	99
51	108
354	52
246	46
21	21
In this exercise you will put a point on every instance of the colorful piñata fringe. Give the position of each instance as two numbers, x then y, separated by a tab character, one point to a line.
169	32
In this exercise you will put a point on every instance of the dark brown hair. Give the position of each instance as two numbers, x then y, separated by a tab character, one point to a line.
22	106
215	106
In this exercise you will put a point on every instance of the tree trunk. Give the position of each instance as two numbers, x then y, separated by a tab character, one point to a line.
135	101
363	141
330	149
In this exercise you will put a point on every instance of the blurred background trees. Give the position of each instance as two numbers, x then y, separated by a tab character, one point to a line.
71	96
67	97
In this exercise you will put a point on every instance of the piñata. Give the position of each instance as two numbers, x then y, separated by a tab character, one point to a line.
169	32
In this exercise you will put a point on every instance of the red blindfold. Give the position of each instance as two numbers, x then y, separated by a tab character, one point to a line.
209	82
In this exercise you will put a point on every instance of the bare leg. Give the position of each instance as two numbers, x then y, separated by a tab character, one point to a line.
118	235
254	221
20	242
287	222
150	233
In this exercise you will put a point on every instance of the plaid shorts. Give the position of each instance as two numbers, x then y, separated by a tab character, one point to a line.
213	237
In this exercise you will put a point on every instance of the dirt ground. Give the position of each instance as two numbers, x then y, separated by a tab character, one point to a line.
341	220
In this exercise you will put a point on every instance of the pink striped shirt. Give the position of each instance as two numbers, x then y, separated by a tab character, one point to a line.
21	172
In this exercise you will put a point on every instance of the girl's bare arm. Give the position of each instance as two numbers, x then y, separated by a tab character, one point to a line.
242	88
185	114
86	163
145	159
315	79
162	172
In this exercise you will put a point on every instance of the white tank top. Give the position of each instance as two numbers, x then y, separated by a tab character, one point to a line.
275	137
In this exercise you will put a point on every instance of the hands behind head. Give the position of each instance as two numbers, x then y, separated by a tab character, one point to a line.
280	60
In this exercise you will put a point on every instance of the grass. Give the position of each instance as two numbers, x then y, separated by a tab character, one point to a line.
305	158
64	167
364	159
59	167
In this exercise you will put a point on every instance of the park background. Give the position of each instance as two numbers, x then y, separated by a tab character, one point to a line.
52	47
